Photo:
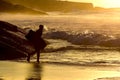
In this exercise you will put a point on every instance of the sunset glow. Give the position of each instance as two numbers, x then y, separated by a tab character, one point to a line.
102	3
110	3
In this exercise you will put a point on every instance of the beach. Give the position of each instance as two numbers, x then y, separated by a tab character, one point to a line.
12	70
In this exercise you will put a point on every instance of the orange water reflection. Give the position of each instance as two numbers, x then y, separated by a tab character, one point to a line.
34	71
20	71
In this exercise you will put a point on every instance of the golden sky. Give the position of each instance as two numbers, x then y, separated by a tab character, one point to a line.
102	3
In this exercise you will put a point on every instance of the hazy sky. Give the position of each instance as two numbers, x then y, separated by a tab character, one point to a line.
101	3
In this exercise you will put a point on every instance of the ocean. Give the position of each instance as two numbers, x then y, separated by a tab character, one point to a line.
76	39
84	38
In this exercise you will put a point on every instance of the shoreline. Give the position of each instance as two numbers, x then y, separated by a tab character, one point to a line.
64	72
47	71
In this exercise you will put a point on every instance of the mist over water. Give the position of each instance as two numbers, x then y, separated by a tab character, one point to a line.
104	22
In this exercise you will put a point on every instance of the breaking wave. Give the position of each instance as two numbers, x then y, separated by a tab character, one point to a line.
85	38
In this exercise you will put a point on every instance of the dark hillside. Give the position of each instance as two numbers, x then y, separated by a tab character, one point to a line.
53	5
6	7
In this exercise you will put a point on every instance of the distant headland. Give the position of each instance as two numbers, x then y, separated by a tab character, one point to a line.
44	6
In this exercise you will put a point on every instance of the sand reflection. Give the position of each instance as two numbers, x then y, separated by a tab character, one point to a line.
35	72
20	71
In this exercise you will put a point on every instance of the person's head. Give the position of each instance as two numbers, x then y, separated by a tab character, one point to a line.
41	27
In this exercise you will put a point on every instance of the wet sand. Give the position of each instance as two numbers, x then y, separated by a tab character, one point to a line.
60	72
10	70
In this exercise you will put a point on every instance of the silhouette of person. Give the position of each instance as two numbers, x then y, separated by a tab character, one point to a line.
37	41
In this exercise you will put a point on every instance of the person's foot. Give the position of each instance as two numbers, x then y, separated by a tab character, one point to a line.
28	58
38	61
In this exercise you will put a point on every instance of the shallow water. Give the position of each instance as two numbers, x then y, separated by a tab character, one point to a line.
81	57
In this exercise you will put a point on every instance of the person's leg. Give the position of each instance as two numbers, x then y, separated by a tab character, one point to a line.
28	58
38	56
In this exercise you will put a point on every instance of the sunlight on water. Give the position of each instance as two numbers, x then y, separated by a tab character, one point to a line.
75	73
104	22
80	57
91	28
75	39
34	71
